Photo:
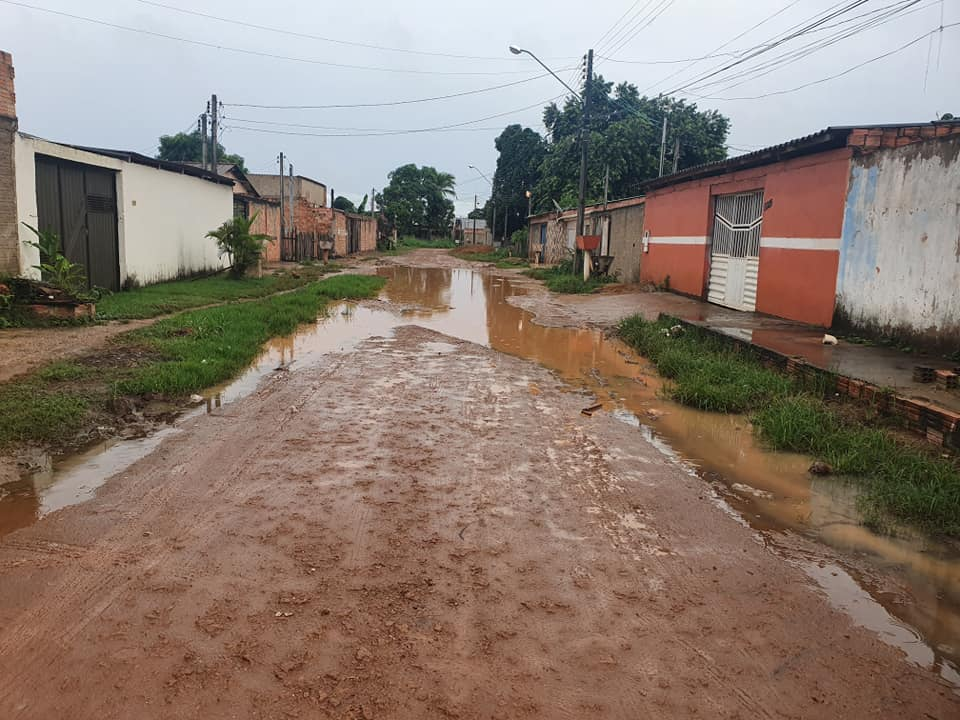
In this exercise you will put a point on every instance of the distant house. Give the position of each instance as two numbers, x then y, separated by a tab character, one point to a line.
472	232
858	224
619	224
119	214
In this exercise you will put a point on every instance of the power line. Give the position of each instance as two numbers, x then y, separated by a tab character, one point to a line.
765	68
616	22
388	103
322	38
644	23
610	41
254	53
414	131
832	77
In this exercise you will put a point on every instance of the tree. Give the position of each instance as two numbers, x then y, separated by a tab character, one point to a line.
417	200
624	135
345	204
244	247
184	147
522	152
479	213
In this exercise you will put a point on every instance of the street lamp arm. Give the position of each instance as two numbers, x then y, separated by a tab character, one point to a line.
474	167
516	51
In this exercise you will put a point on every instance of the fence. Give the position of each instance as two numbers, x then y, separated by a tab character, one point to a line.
301	246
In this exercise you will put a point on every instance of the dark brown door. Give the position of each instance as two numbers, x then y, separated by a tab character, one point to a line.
79	203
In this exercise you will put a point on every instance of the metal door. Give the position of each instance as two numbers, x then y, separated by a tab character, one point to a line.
735	250
79	203
543	240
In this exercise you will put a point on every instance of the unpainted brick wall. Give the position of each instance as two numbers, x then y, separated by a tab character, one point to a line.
9	241
869	139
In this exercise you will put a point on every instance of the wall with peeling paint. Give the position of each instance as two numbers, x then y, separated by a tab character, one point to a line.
900	249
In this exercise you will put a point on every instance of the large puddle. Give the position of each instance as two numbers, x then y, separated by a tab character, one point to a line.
905	588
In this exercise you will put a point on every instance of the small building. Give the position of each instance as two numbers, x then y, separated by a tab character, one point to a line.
121	215
472	232
619	223
854	223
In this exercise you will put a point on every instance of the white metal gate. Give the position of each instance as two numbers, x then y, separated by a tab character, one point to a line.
735	252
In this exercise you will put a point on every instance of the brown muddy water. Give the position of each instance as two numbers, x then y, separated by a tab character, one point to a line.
906	588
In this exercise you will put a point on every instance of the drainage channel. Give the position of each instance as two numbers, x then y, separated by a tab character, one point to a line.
904	588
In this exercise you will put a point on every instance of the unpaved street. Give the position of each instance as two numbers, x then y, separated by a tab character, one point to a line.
423	528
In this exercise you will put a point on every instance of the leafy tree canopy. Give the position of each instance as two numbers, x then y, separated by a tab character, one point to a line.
188	147
479	214
624	135
345	204
417	199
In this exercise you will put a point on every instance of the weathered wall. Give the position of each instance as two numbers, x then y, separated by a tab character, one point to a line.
166	217
626	239
340	233
311	191
9	236
368	234
310	217
799	246
900	256
162	217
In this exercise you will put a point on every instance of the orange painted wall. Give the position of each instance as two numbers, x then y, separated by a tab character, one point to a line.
808	196
798	284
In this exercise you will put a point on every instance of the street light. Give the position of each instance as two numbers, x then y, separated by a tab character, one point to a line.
493	230
517	51
584	120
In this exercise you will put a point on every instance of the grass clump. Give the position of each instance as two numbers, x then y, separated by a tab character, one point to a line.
168	297
561	279
898	480
206	347
174	357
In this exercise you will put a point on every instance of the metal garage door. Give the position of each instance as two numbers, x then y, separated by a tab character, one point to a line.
735	250
79	203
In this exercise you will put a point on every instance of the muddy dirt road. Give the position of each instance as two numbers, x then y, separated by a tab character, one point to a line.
423	527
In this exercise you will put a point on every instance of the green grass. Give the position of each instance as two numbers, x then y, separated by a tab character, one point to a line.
168	297
561	279
899	481
174	356
414	243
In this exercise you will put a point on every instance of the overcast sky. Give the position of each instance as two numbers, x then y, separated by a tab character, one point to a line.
91	84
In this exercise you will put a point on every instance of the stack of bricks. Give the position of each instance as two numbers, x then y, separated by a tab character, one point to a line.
869	139
946	379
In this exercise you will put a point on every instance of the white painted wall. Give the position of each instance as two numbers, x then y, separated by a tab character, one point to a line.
166	217
163	216
900	250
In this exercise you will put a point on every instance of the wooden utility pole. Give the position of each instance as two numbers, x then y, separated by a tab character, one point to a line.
282	226
474	219
203	140
214	132
292	193
373	194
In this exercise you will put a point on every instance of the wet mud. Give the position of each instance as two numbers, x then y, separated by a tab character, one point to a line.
901	590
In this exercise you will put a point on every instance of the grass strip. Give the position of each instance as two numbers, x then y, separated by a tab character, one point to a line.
561	279
898	480
174	296
173	357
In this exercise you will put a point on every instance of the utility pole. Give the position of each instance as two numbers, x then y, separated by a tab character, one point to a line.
663	144
202	127
676	154
606	185
584	132
373	194
282	227
474	219
292	193
214	132
493	223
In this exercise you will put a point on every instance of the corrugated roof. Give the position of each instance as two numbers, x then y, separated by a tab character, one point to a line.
138	159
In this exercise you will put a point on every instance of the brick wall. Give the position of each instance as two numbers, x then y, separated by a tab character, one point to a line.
9	241
309	217
869	139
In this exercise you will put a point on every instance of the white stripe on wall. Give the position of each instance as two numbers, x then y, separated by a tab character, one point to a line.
800	243
681	240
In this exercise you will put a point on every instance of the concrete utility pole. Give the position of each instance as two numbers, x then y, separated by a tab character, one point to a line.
663	144
202	127
373	194
606	185
584	132
214	132
676	154
282	227
292	193
474	219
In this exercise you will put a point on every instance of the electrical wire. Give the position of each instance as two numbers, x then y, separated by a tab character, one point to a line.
391	103
256	53
616	22
439	128
613	39
645	22
322	38
837	75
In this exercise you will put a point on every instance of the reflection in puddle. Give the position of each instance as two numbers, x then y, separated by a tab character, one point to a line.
771	491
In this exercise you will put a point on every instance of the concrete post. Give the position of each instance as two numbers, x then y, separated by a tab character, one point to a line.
9	231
